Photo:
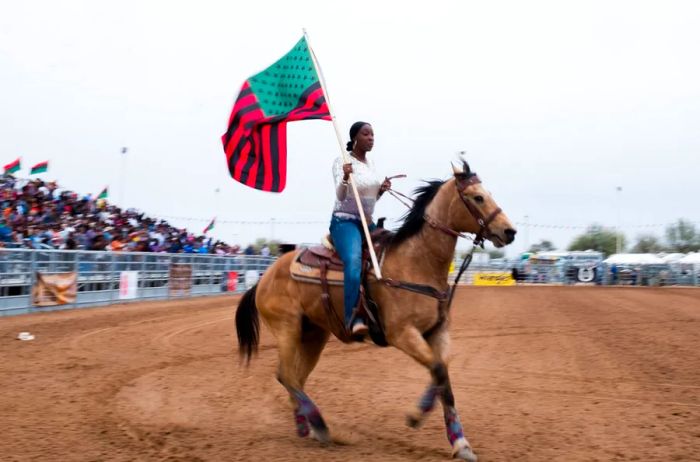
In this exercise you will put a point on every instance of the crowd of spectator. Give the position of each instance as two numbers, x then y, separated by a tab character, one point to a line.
41	215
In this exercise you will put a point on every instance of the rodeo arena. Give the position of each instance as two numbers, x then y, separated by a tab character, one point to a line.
136	336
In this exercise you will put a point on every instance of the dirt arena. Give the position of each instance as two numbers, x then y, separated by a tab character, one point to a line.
539	373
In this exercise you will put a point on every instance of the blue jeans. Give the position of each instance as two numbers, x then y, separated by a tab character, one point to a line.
347	239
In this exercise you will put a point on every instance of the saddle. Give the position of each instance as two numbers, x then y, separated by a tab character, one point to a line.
309	262
321	265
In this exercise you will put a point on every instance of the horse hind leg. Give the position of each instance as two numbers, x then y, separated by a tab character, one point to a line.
297	359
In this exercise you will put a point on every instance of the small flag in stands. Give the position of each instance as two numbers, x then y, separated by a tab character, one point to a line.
103	194
41	167
210	226
13	167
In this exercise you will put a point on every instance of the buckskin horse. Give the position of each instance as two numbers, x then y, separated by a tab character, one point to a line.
415	267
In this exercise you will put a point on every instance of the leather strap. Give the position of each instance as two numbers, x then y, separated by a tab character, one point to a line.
422	289
328	304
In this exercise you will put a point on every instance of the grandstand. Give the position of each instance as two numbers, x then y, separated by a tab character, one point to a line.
42	215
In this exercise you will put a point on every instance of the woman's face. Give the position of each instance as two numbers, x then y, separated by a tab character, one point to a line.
365	138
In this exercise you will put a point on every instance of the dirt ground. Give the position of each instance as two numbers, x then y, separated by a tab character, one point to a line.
539	373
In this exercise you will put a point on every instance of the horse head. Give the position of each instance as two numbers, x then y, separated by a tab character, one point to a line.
481	215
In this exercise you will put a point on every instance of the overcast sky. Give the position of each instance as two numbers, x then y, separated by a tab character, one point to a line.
556	103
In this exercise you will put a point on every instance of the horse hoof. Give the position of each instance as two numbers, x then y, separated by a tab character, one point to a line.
413	421
465	454
322	436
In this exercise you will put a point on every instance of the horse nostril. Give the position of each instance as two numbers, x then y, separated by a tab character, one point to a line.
510	234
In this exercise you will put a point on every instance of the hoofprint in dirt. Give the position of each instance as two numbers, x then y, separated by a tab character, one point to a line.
540	373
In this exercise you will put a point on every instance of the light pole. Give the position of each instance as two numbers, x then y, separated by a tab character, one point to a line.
527	234
618	234
122	188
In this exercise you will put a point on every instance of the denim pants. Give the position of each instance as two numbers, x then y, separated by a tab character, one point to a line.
347	239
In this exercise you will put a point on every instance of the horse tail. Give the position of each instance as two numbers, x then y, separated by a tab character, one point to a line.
248	325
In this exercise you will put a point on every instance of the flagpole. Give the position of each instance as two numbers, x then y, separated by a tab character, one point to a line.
343	153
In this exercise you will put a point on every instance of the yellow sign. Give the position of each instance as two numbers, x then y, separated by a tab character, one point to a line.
493	279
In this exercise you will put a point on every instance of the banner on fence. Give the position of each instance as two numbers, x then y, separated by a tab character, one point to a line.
55	289
128	283
180	280
232	281
251	278
493	279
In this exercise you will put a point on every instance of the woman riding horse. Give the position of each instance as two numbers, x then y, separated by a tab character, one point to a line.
346	225
415	321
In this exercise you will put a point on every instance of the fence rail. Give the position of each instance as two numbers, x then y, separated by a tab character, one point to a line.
99	275
672	274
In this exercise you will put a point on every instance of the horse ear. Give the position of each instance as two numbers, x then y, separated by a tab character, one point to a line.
457	170
467	170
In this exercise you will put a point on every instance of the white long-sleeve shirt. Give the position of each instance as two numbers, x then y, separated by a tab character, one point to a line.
367	182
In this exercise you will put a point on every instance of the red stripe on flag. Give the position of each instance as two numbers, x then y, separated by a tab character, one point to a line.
266	158
253	171
282	143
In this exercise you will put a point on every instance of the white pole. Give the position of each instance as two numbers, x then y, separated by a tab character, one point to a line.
343	153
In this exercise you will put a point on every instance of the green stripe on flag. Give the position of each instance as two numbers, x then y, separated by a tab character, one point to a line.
279	87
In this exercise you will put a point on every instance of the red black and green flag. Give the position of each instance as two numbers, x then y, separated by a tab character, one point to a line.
41	167
13	167
103	194
256	140
210	226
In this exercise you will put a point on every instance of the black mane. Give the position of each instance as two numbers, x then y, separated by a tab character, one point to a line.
413	219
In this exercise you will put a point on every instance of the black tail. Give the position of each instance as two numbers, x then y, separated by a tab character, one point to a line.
248	325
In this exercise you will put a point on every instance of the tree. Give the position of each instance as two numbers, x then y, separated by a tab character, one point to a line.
648	243
543	246
495	253
597	238
682	236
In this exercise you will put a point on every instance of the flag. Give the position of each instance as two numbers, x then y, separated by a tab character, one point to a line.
210	226
256	140
103	194
12	167
41	167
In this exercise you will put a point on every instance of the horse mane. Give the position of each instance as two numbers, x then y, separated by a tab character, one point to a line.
413	219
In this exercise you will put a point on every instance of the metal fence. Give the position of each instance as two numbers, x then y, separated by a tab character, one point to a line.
672	274
98	275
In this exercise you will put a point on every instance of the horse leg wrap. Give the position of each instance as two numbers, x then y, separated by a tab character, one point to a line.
455	433
309	412
427	401
425	405
301	423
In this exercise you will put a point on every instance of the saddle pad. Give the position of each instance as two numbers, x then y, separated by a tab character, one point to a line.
304	272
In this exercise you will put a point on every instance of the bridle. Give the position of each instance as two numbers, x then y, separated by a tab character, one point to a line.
462	182
444	298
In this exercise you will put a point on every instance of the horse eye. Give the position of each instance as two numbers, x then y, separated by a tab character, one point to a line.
479	199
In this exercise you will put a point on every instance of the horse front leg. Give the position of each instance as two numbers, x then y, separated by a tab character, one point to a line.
432	355
461	449
426	404
439	343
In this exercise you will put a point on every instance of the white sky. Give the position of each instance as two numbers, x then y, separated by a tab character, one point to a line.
557	103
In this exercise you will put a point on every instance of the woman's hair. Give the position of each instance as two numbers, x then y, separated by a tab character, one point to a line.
354	129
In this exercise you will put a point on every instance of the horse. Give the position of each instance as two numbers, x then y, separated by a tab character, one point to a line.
418	255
